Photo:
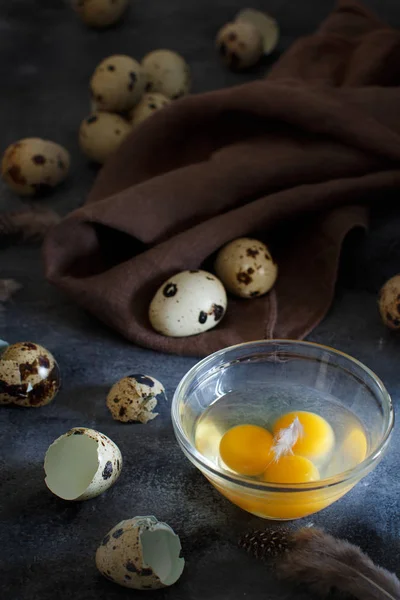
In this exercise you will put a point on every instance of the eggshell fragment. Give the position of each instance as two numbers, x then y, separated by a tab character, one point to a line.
101	134
29	375
389	303
166	73
266	24
149	104
82	464
141	553
240	45
33	166
188	303
117	83
134	398
100	13
246	268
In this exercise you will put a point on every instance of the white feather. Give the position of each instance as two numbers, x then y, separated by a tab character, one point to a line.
286	438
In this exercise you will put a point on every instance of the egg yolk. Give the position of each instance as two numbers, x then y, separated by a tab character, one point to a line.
291	469
317	438
246	449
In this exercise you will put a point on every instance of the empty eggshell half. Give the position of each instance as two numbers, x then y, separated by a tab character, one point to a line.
188	303
266	24
82	464
141	553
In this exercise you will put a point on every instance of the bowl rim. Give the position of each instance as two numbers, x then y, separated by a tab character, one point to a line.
355	473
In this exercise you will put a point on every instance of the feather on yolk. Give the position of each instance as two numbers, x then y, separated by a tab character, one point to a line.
246	449
317	438
291	469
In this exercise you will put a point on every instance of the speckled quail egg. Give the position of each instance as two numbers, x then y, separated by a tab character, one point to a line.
101	134
100	13
266	24
246	268
117	83
134	398
33	166
82	464
29	375
167	73
141	553
389	303
240	45
148	105
188	303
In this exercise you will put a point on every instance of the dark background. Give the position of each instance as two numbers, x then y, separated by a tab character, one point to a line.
47	546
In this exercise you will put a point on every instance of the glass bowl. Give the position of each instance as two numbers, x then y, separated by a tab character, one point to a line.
305	368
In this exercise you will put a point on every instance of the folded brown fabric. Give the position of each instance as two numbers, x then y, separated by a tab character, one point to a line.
294	160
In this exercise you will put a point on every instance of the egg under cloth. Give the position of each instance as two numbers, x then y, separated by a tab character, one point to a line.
282	159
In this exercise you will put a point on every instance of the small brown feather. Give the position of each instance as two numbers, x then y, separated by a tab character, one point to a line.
8	287
323	563
26	226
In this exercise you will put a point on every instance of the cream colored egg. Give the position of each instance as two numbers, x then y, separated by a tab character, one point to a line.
266	24
82	464
29	375
134	398
141	553
389	303
117	83
32	166
149	104
240	45
246	268
100	13
166	73
101	134
188	303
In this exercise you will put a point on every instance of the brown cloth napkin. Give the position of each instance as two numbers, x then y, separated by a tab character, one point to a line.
293	159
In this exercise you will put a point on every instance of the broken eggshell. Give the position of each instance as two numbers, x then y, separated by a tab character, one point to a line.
267	26
82	464
141	553
166	73
29	375
133	398
188	303
239	45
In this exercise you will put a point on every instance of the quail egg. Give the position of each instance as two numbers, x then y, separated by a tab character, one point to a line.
148	105
266	24
33	166
82	464
134	398
246	268
29	375
100	13
101	134
141	553
389	303
240	45
188	303
166	73
117	83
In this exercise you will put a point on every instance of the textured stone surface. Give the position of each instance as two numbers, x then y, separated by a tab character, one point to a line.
48	546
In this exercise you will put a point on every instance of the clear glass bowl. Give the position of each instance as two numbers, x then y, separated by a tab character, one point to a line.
253	368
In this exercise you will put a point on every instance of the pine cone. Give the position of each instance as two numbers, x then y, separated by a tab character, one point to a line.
266	544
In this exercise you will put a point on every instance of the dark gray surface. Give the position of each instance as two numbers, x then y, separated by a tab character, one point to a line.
48	546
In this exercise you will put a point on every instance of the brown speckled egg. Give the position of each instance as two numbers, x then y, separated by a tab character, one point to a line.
141	553
148	105
101	134
389	303
240	45
100	13
117	83
246	268
265	23
32	166
166	73
134	398
29	375
82	464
